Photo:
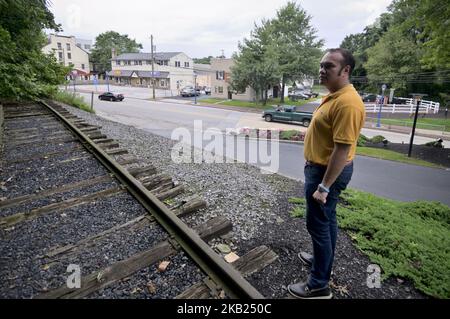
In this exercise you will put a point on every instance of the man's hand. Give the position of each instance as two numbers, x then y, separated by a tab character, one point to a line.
320	197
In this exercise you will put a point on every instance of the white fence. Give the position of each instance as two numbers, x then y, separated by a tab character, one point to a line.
410	107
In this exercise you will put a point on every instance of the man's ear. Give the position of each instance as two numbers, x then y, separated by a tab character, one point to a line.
347	70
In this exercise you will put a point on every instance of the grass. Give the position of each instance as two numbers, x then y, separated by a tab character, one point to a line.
392	156
407	240
422	123
73	100
254	105
287	135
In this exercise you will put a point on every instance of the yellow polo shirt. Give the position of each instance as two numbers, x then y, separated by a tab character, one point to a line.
339	118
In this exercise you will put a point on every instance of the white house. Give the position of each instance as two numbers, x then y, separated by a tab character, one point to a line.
68	53
172	70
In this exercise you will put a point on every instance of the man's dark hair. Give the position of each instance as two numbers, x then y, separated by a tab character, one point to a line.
347	58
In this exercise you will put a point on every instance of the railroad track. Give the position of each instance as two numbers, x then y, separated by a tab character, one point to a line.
72	197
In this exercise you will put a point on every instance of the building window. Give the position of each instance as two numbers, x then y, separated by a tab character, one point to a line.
82	66
127	62
220	89
60	56
220	75
140	62
162	83
118	62
68	46
59	46
166	62
135	62
177	64
69	56
186	64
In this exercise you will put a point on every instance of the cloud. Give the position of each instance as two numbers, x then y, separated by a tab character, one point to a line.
205	27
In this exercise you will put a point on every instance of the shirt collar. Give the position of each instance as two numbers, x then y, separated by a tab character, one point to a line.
339	92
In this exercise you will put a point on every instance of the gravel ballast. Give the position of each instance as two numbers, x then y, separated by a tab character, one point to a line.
257	206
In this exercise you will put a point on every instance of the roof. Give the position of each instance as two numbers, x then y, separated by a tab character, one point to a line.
80	72
146	56
141	74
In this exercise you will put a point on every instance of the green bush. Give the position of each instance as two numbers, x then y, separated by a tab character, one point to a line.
377	139
407	240
287	135
300	208
73	100
362	140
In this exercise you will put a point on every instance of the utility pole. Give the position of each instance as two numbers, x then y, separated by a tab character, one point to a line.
417	97
153	68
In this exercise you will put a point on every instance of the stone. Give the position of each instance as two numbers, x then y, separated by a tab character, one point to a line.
224	249
163	265
231	257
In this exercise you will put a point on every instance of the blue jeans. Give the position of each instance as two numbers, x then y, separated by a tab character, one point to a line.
321	221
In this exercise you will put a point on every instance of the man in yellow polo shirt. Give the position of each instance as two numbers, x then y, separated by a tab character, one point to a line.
330	146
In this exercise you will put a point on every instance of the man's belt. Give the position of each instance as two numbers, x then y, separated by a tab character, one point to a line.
324	166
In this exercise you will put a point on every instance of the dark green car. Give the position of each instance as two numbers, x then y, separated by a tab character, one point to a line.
288	113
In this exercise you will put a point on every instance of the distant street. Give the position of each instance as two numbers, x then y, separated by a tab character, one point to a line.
385	178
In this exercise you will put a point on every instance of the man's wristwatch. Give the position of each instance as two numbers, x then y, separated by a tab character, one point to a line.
322	189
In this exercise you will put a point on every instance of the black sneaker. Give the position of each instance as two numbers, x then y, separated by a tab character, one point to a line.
306	258
302	291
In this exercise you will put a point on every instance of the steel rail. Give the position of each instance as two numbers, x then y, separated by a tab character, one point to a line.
223	274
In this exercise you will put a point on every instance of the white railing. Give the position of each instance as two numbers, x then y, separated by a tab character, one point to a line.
410	107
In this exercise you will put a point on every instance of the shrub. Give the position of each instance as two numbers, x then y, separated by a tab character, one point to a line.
377	139
407	240
73	100
362	140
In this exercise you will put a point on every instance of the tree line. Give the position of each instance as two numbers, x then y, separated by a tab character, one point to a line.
407	48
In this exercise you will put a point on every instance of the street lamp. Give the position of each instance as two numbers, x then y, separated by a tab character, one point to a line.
195	87
383	88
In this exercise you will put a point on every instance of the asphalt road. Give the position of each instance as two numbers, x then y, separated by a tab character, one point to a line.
385	178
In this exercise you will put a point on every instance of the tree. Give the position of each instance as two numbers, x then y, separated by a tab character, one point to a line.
297	48
205	60
408	47
101	53
280	50
392	59
26	71
426	22
256	64
358	44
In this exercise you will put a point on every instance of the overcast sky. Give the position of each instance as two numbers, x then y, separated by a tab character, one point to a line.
206	27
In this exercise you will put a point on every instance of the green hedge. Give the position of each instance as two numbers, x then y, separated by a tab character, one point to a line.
407	240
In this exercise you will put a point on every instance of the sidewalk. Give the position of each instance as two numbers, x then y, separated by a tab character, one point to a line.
407	130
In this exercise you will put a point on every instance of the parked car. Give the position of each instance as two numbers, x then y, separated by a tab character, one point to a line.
207	90
109	96
399	100
298	95
369	98
310	93
189	91
288	113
